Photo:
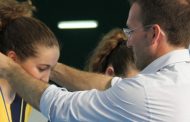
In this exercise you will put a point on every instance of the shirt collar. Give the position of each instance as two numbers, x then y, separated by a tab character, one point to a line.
169	58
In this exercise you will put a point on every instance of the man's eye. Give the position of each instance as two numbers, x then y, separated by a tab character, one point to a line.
131	31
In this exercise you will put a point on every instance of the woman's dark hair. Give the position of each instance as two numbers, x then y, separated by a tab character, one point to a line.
20	32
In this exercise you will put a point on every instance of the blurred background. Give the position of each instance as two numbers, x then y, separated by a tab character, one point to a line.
78	43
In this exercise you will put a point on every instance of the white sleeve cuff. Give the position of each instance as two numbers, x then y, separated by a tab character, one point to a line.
115	80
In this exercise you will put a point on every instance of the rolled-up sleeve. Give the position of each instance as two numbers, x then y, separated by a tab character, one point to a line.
51	94
115	80
60	105
47	100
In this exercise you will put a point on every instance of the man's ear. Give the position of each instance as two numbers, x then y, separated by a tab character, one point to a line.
12	55
110	71
155	33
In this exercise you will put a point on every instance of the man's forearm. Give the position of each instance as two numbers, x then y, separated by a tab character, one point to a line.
74	79
27	87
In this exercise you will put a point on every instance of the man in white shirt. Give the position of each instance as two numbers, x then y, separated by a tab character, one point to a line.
159	32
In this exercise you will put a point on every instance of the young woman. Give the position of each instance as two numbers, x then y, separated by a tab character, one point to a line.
31	44
112	57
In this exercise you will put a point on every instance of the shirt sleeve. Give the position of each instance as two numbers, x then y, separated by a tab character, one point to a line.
60	105
117	103
115	80
45	102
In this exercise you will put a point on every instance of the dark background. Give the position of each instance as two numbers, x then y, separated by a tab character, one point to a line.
77	44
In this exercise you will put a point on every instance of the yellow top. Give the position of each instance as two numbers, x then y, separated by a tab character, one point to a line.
6	111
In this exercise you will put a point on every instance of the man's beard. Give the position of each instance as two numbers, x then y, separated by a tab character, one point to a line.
142	61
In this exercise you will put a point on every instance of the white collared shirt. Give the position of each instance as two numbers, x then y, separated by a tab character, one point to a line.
160	93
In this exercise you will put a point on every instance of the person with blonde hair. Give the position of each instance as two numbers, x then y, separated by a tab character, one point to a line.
112	56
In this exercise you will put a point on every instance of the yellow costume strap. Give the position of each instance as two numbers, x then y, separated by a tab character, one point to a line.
18	111
5	113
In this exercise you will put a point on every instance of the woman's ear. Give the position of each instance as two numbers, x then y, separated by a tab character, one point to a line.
12	55
110	71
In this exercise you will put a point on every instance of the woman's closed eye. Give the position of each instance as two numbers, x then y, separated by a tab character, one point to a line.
43	68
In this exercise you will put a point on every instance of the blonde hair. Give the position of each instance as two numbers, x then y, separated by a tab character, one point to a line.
112	50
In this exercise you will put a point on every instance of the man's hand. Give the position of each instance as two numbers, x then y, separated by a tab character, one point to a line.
24	84
5	65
